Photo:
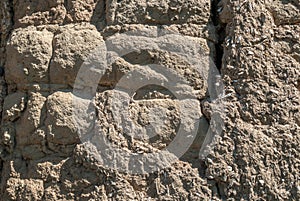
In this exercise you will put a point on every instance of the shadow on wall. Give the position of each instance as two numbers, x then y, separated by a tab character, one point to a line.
99	15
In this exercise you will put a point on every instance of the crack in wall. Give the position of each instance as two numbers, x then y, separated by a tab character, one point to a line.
219	53
99	15
220	31
4	37
6	30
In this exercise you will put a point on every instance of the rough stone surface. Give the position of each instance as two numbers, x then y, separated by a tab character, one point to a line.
30	52
38	12
155	12
71	45
257	44
261	71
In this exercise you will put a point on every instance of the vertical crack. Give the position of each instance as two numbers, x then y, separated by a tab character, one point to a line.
220	31
50	91
99	15
7	23
6	26
220	28
66	5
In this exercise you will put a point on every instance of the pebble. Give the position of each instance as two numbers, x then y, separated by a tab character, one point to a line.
210	177
6	137
26	72
209	160
250	53
274	91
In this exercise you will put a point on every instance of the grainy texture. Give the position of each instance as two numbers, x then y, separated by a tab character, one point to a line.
44	43
261	70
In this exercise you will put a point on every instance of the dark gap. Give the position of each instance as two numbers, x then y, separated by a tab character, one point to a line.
99	15
5	90
66	3
221	32
192	155
218	189
2	69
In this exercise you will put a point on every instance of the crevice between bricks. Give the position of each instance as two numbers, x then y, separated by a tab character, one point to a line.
45	142
220	31
219	53
218	61
66	7
99	15
4	92
8	33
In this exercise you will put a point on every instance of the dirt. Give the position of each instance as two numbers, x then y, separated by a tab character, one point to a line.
254	44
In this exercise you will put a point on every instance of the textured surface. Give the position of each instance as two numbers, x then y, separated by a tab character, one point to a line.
44	43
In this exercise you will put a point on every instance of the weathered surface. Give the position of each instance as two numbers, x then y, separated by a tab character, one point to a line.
27	64
154	12
258	156
71	45
43	45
